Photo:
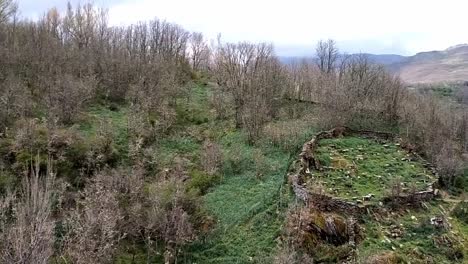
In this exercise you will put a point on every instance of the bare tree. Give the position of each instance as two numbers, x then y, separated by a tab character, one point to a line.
199	52
7	9
327	56
254	77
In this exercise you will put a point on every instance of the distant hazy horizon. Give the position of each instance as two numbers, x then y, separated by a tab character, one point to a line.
294	26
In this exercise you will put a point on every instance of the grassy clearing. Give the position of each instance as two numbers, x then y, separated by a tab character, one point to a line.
248	200
250	197
249	208
249	211
355	167
412	237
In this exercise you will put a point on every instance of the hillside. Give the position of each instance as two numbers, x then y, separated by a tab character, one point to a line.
148	143
434	66
448	65
386	59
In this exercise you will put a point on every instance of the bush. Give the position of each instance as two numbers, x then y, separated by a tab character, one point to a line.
15	101
201	181
69	153
287	134
7	181
65	148
383	258
461	211
67	95
102	148
211	157
449	164
262	167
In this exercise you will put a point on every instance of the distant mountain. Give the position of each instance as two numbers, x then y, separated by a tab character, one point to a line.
386	59
426	67
291	60
434	66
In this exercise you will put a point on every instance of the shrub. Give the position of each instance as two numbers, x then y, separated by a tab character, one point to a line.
170	215
26	225
287	134
261	165
64	147
66	97
102	150
98	212
237	159
383	258
15	101
211	157
449	164
202	181
461	211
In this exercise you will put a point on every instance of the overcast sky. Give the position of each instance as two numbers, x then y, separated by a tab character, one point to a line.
294	26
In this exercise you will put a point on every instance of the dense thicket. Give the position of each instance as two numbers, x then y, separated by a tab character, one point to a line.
50	71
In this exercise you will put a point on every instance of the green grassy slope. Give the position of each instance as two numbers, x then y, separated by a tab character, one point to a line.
248	203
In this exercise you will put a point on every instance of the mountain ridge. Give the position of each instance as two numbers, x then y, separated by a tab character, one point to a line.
449	65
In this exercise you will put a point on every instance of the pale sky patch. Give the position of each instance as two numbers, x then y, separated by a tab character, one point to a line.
294	26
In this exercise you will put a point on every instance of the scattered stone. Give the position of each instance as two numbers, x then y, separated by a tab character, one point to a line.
413	218
387	240
440	222
396	232
368	197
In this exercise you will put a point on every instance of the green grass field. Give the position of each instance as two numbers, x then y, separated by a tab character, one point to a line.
411	236
355	167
